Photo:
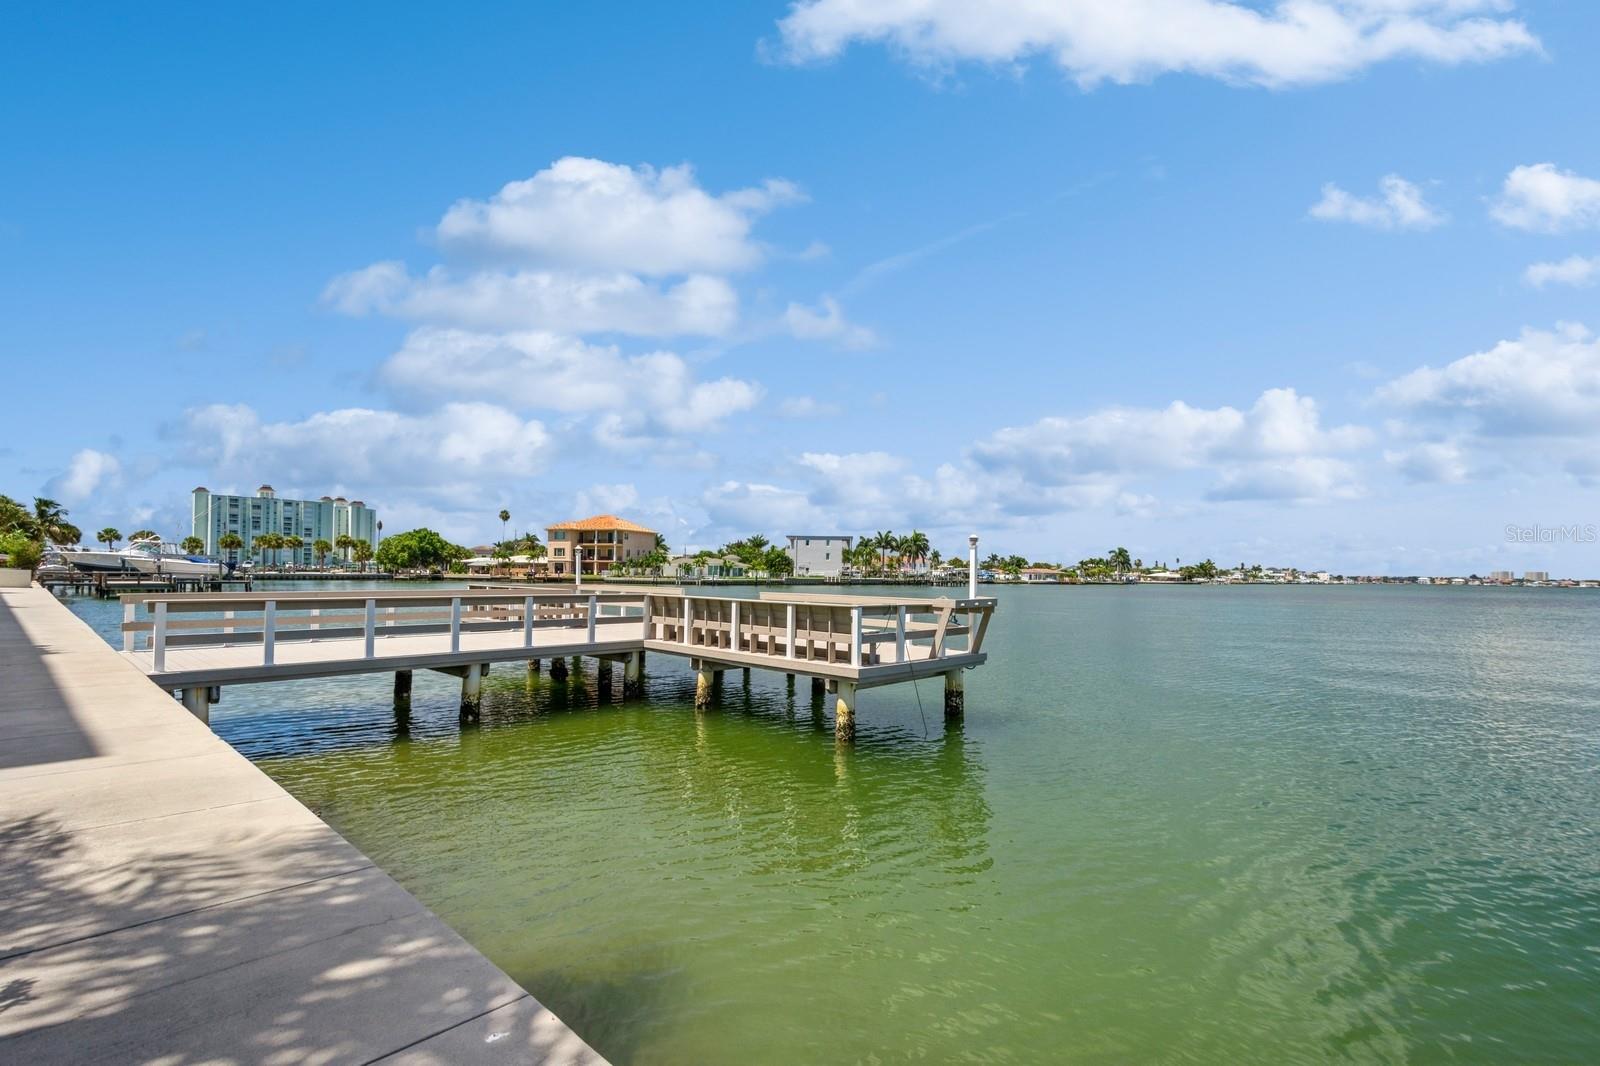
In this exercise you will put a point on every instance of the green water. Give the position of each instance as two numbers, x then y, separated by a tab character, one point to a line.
1177	825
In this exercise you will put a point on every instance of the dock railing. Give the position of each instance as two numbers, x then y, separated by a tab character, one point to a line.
270	618
801	632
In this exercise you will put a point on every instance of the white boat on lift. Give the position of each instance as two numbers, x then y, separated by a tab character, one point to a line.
142	557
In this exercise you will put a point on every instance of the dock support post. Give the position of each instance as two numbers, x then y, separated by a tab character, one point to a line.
558	669
472	690
533	667
818	687
844	712
703	676
955	694
402	692
197	701
633	675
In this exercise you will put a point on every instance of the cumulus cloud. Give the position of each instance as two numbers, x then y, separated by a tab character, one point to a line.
642	396
826	322
1399	205
590	215
1274	44
537	299
1575	270
1430	461
449	446
1280	427
1546	199
1543	383
87	473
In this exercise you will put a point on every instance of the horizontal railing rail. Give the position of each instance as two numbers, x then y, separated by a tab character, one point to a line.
852	631
266	619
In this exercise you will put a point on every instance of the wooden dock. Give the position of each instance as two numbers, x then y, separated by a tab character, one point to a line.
162	900
109	584
196	643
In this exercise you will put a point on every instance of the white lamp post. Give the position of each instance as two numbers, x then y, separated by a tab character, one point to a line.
972	566
577	553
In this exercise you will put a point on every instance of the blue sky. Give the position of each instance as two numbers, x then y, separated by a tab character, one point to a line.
1304	283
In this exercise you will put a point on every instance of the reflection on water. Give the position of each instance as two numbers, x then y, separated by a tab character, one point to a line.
1178	825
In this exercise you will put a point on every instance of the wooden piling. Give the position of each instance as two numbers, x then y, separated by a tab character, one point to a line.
955	694
844	711
472	691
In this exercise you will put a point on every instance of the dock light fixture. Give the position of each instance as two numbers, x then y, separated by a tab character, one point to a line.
972	566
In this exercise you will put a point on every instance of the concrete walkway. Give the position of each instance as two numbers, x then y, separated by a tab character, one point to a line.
163	900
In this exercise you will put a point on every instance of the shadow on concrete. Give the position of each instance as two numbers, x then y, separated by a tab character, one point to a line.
37	724
340	968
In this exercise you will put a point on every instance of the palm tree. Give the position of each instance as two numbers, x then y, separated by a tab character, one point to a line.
505	516
1120	561
320	548
192	545
50	522
143	534
662	545
230	543
264	543
294	544
885	543
363	553
916	546
344	542
108	536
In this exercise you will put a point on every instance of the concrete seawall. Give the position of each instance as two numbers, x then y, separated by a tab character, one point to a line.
161	899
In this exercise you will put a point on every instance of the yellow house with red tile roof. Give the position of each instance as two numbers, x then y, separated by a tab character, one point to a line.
604	540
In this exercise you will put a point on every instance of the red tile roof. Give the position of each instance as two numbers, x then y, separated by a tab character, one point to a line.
603	522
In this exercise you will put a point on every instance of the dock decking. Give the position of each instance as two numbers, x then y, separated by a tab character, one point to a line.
161	899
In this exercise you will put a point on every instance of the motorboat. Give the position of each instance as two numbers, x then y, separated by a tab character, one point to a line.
141	557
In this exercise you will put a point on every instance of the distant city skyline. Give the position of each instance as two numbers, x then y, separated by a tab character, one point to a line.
1319	290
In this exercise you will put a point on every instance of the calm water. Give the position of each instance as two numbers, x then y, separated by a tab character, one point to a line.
1178	825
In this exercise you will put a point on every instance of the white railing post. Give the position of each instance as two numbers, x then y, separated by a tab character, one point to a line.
900	634
372	628
455	623
316	613
972	566
733	627
128	609
855	636
158	642
789	644
648	626
527	621
593	608
688	618
269	632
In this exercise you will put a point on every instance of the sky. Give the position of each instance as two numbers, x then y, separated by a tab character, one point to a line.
1305	283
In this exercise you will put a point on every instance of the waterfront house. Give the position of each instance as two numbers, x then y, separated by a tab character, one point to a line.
817	555
1040	575
604	540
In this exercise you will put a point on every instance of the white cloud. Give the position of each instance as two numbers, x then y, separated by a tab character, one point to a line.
807	407
1544	383
1300	478
1124	440
87	473
605	499
1282	43
1400	206
536	299
1544	198
457	443
1430	461
826	322
597	217
640	398
1575	270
